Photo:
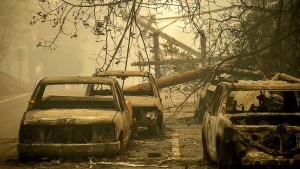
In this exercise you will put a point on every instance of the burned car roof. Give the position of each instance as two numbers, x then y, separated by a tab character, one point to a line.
77	80
261	85
122	73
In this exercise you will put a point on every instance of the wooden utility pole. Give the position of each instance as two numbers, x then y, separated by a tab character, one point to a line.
156	55
203	48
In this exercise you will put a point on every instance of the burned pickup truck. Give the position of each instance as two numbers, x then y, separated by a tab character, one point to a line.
253	123
146	103
62	121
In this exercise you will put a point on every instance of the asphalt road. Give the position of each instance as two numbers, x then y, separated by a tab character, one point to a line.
12	108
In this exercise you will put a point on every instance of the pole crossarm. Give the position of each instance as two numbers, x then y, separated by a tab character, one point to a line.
167	37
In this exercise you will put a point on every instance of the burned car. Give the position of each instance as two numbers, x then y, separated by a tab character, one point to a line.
62	121
146	103
253	123
225	74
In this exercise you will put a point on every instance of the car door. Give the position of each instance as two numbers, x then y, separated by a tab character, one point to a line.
212	120
126	116
156	93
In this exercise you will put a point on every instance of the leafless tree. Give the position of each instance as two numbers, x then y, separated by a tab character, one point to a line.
263	35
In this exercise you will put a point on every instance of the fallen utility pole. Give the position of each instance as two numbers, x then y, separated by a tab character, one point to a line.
171	61
165	61
174	79
192	75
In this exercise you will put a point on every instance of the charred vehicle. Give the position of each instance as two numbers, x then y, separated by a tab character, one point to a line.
222	75
62	121
253	123
146	103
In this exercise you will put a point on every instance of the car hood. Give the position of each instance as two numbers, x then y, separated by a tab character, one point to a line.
69	116
142	101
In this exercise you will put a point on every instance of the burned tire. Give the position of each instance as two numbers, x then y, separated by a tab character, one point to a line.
24	158
224	157
122	145
206	156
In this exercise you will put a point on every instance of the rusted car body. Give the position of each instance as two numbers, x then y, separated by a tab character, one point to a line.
63	122
146	103
222	74
253	123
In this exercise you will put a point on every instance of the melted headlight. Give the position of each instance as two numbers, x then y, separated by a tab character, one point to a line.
31	134
103	133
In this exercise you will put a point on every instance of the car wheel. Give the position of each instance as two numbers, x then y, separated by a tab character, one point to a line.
206	156
24	158
224	158
122	146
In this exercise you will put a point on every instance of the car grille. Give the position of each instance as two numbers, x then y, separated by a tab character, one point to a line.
65	134
140	112
68	134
